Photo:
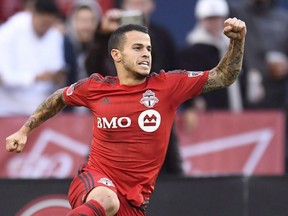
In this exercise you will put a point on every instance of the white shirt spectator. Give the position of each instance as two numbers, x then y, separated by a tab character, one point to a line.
23	56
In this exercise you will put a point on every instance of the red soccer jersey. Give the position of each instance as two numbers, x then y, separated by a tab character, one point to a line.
132	125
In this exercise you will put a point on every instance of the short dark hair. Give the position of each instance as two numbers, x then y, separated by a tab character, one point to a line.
47	6
118	36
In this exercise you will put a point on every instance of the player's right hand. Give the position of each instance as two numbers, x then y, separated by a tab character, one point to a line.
16	142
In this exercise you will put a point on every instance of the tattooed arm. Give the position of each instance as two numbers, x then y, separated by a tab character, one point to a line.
49	108
228	69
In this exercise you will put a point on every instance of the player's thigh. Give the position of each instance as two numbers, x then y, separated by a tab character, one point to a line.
106	197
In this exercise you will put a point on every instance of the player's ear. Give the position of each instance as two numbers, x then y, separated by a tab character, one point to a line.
116	55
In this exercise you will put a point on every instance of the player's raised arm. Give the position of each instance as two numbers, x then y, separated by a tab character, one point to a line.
50	107
228	69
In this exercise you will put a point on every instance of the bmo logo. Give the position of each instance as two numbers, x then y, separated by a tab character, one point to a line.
149	120
115	122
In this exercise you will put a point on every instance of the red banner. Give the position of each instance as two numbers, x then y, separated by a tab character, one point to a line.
55	149
250	143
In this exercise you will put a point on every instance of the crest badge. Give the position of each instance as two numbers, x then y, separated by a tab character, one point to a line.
149	99
106	182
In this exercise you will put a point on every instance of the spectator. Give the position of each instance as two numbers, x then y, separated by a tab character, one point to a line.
31	58
206	46
82	23
269	24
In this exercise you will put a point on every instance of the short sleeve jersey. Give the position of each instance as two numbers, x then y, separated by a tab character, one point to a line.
132	125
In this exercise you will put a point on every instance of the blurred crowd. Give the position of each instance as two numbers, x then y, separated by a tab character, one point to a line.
46	44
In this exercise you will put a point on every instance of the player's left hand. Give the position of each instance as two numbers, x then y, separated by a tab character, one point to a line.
235	29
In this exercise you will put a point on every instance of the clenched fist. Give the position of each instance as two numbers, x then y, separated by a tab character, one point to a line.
235	29
16	142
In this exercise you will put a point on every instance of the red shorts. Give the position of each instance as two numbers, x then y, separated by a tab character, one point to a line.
85	181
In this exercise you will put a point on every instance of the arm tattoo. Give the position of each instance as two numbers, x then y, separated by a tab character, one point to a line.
50	107
228	69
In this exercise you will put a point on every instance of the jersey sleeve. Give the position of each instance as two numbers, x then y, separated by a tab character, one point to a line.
185	84
76	94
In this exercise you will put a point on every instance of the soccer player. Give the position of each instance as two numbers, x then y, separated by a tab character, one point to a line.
133	115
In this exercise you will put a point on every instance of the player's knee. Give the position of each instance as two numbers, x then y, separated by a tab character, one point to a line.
107	198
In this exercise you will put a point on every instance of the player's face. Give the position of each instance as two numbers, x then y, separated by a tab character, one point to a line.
136	53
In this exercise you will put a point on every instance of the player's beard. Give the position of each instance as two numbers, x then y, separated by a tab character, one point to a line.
137	75
141	76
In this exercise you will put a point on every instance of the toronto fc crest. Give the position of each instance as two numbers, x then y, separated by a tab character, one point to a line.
149	99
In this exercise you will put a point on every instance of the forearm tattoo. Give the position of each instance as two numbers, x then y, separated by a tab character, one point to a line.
228	69
50	107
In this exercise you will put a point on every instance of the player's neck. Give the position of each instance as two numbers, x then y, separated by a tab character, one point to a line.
130	81
126	79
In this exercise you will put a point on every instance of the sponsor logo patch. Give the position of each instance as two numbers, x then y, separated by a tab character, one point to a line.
149	120
194	73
